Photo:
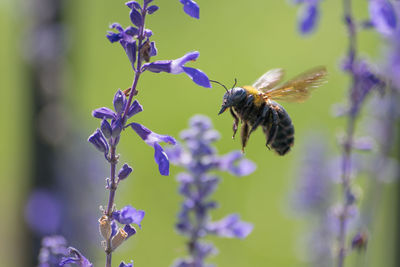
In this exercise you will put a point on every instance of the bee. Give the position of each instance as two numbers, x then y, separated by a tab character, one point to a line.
255	106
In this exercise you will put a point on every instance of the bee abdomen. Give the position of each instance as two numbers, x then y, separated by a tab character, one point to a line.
284	138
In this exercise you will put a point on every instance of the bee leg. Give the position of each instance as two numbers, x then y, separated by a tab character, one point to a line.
260	119
247	108
274	126
235	123
244	134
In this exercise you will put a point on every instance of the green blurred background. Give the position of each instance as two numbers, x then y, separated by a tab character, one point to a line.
236	39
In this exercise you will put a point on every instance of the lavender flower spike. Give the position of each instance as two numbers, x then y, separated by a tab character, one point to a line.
178	66
197	184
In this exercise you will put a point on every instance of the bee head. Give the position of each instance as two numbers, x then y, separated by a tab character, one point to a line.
232	96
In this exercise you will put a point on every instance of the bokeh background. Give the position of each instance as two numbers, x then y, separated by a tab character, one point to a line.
236	39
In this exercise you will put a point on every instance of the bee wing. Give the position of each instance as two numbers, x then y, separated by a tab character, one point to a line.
269	80
298	89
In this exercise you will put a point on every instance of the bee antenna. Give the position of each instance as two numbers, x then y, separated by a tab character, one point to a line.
219	84
234	83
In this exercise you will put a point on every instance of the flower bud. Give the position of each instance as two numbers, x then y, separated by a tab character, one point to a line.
119	102
124	172
106	128
105	227
116	128
98	140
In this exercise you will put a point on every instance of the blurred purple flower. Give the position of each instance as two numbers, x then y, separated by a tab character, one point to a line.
383	16
178	66
123	264
308	18
313	191
77	258
198	157
191	8
43	212
230	226
52	250
366	80
308	15
235	163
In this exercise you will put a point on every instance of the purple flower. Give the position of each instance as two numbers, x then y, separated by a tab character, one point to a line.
313	191
236	164
230	226
76	257
366	81
126	39
191	8
178	66
198	157
308	18
103	112
153	140
129	215
43	212
383	16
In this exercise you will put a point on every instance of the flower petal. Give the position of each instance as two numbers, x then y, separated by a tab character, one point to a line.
129	215
152	9
161	159
133	4
199	77
130	230
177	64
134	109
136	17
191	8
103	112
150	137
158	66
308	18
130	50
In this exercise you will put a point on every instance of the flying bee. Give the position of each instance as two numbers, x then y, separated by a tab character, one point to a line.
255	105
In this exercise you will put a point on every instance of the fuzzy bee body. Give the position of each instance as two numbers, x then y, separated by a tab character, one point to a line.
254	106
